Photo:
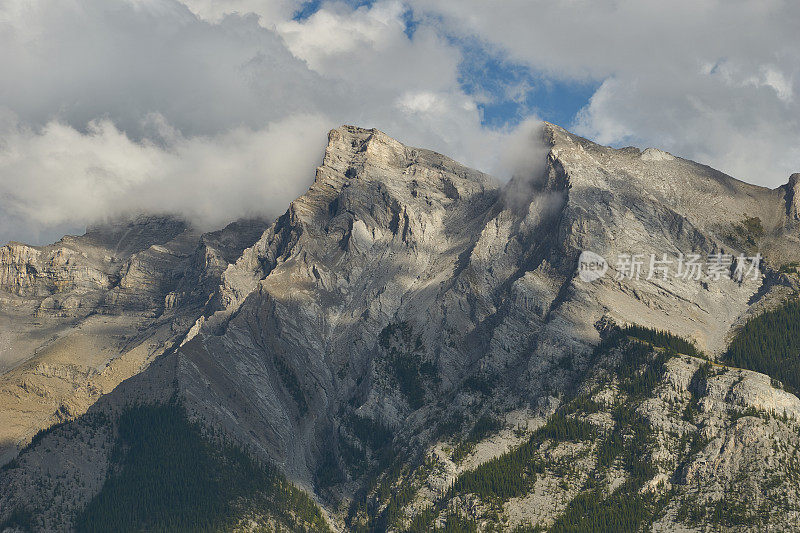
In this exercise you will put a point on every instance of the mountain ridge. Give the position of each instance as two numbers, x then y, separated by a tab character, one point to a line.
407	291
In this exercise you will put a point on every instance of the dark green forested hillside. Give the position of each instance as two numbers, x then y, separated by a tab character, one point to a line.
770	343
662	339
624	448
169	477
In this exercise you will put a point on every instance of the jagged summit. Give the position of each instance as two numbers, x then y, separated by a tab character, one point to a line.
358	147
693	190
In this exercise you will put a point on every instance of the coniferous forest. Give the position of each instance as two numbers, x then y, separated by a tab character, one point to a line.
662	339
770	343
170	477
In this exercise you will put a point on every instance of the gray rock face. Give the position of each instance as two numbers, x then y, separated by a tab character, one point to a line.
791	196
402	288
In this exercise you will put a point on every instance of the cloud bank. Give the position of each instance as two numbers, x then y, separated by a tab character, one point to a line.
73	177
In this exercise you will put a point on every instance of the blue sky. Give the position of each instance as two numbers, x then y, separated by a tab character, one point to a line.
514	91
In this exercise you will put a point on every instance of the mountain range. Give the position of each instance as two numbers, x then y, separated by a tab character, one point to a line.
411	346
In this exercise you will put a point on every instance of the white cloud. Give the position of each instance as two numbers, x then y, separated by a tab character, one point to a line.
420	102
77	61
336	31
269	12
776	80
60	176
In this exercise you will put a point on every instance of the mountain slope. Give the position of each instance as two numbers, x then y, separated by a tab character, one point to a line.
82	315
408	311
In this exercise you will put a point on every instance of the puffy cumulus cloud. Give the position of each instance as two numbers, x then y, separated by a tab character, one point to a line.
370	49
206	109
714	81
335	32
